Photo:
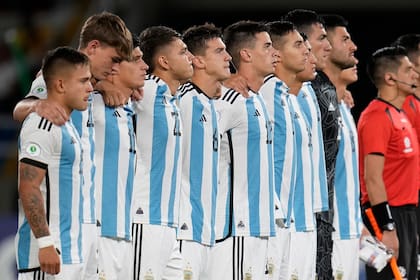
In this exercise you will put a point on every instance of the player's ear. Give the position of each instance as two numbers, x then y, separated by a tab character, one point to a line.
163	62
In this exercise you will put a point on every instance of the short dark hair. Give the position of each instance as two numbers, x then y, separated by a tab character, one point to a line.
383	60
411	44
241	34
278	29
196	37
153	39
333	20
61	58
303	19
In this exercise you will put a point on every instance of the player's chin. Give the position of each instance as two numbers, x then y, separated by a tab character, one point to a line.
82	106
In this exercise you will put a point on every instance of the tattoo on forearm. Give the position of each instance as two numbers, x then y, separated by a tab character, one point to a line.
32	200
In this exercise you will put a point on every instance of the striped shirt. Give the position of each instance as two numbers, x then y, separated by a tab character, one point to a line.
309	105
158	176
275	94
58	150
115	154
200	157
347	217
247	151
83	121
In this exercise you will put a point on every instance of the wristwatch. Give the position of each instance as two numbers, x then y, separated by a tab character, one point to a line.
389	226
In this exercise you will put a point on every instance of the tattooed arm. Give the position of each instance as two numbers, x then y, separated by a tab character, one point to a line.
30	179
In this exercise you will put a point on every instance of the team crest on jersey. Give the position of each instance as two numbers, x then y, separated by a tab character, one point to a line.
188	273
33	149
149	275
407	144
248	274
39	90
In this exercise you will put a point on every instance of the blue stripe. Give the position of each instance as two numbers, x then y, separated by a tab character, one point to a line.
65	193
253	167
158	157
215	175
196	170
24	245
269	130
109	179
174	177
130	175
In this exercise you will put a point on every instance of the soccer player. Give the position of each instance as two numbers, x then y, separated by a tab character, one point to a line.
388	159
246	162
347	220
159	138
105	39
115	155
197	219
48	240
292	158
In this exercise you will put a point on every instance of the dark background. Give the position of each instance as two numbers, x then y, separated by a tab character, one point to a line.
28	30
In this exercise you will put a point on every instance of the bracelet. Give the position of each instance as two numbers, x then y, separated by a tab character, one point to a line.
382	214
45	241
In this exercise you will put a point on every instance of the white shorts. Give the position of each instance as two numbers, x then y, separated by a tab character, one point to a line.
90	252
302	261
345	259
115	258
239	258
67	272
156	253
278	254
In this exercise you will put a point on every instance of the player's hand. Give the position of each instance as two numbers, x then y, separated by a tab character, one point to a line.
113	97
137	94
49	260
238	83
390	239
52	111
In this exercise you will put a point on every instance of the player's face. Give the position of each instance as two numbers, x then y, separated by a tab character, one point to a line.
132	73
293	54
179	60
343	48
77	88
407	76
216	59
309	73
104	60
321	47
349	75
264	56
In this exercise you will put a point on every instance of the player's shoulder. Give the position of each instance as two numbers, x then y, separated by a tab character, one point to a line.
231	96
35	122
184	89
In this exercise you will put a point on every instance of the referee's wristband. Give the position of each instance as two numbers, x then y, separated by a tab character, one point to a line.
382	214
45	241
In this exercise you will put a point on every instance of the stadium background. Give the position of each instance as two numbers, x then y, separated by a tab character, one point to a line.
27	30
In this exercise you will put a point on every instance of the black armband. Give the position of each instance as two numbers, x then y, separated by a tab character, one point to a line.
383	216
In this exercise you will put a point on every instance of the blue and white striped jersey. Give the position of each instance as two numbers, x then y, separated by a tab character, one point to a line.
309	105
275	94
347	217
303	212
115	155
58	150
247	151
83	121
158	175
200	157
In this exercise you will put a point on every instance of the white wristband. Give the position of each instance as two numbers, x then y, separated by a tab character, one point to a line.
45	241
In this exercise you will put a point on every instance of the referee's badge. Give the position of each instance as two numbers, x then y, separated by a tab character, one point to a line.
33	149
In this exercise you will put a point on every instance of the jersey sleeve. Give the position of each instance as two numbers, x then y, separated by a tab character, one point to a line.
375	133
37	141
38	88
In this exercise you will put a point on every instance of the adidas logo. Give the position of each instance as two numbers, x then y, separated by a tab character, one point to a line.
164	100
184	226
203	118
139	211
257	113
241	224
72	141
98	223
331	107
